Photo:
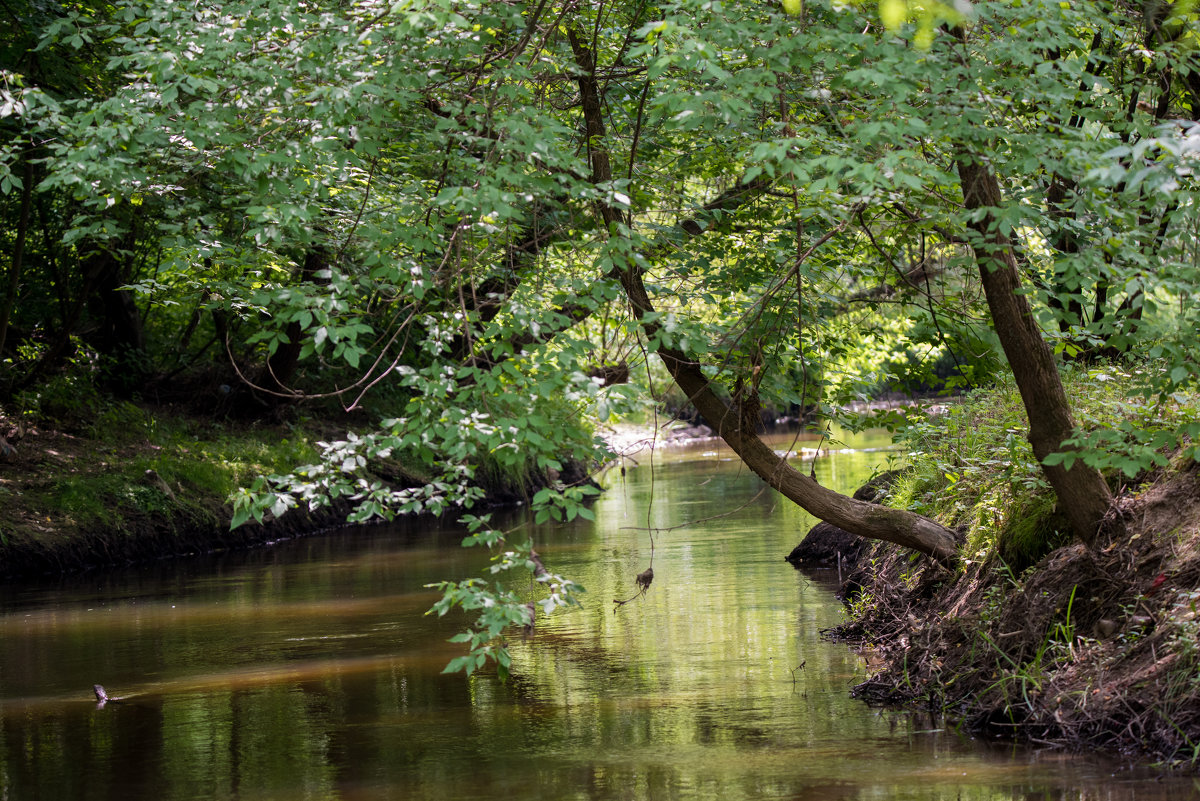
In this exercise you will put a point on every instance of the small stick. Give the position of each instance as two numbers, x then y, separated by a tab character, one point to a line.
102	697
797	667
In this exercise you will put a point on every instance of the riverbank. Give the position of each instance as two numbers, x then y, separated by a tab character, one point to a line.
1033	636
1089	649
133	485
138	488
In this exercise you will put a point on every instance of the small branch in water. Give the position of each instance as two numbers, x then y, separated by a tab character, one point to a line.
102	697
797	667
643	581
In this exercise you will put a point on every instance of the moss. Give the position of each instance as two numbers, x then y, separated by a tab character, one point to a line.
1035	528
135	484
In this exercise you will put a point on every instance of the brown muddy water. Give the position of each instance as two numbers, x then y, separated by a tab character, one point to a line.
310	671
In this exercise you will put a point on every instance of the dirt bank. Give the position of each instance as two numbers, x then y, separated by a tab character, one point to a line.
1088	649
158	488
72	502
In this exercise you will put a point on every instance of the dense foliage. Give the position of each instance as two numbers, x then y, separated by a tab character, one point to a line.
972	467
476	220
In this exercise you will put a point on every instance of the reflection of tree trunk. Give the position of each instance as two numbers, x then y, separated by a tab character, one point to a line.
1082	494
18	254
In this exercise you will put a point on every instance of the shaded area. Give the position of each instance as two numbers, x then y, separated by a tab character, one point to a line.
310	671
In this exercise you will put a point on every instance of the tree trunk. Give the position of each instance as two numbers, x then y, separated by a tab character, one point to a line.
732	424
1083	496
277	374
857	517
18	254
122	335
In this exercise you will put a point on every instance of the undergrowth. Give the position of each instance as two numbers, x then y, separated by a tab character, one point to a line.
1036	637
973	469
86	477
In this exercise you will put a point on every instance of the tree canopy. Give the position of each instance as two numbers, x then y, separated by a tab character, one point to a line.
477	220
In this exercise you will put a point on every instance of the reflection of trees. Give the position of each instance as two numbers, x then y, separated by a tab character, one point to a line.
706	658
686	693
71	753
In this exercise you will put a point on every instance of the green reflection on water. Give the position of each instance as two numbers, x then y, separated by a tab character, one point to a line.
310	671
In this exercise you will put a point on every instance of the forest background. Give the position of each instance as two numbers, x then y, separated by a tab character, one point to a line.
468	233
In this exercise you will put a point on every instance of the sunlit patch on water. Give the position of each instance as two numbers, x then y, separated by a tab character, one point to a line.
325	637
312	671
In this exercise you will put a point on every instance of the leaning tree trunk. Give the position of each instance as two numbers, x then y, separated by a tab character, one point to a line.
738	430
733	423
1083	496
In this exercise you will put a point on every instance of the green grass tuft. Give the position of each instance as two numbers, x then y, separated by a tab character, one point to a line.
972	468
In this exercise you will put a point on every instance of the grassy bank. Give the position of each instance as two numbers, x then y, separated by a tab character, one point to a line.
96	482
123	485
1035	636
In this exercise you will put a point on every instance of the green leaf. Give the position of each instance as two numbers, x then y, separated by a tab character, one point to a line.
241	515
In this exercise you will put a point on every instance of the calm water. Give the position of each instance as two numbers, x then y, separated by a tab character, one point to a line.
309	671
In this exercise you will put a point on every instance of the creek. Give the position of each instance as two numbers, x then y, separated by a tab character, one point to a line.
309	670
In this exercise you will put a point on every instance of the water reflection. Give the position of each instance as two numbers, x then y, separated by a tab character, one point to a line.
309	671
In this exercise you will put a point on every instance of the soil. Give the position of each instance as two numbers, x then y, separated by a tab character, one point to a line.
33	543
1088	649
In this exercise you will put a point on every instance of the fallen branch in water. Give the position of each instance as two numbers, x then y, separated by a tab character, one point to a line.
102	696
643	581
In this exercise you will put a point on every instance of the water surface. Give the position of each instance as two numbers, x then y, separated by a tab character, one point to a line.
310	671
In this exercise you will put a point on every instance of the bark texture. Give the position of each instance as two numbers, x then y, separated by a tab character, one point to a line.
1083	495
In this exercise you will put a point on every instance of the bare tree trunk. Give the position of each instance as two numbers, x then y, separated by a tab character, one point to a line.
1083	496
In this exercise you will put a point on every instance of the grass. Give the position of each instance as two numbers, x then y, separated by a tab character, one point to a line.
126	466
973	469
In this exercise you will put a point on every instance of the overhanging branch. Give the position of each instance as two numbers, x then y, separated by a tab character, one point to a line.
858	517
